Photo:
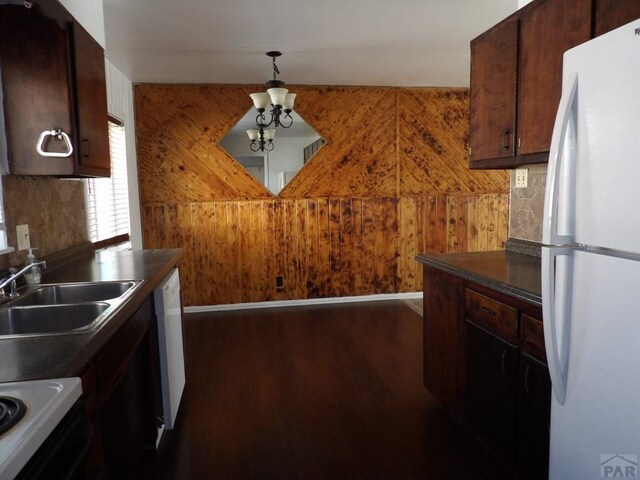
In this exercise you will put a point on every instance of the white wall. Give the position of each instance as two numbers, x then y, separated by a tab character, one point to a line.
120	104
287	155
522	3
90	14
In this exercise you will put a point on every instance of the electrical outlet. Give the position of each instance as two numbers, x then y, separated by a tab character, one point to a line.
522	175
279	282
22	234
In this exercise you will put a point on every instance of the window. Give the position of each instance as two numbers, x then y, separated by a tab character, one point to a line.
108	198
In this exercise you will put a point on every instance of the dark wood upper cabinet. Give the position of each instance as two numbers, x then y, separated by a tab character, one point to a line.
91	104
611	14
35	91
508	127
546	32
494	60
52	79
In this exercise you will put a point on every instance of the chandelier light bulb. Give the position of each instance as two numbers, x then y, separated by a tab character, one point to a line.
260	100
278	96
289	101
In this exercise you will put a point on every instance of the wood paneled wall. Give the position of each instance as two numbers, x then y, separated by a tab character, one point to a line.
392	181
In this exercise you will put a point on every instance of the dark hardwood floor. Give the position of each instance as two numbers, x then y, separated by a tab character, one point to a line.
313	392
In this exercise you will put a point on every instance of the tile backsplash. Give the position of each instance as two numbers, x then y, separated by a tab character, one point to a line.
526	205
53	208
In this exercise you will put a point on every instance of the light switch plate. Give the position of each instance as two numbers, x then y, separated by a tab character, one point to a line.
22	234
522	175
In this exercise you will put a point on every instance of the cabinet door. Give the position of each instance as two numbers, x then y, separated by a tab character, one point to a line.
491	389
493	93
125	418
91	105
443	372
546	32
35	91
611	14
534	419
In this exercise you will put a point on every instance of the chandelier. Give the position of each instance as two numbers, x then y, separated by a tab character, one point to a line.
261	139
279	114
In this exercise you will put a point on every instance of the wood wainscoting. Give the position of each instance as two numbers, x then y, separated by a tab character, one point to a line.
391	181
322	247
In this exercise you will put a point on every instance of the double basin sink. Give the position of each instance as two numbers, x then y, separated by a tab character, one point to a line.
63	308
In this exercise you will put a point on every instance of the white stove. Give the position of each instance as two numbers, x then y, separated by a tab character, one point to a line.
47	402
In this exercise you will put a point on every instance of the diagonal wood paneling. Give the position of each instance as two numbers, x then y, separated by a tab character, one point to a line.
392	181
178	132
433	132
359	157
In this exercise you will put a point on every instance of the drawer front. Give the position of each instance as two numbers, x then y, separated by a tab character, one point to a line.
533	337
495	316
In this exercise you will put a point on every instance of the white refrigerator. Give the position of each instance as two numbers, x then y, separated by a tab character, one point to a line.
591	262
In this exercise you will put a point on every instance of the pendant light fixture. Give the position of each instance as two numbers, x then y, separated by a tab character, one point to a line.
279	113
261	139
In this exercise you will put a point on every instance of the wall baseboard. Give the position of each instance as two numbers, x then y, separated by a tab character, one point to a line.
306	302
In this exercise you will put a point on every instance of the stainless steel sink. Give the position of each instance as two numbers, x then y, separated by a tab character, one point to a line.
73	293
63	308
49	319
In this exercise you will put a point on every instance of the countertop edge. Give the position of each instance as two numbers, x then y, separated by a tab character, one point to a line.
481	280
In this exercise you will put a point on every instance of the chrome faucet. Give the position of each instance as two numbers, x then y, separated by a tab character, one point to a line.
11	280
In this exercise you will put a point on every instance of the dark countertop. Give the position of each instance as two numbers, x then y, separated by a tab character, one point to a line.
510	273
58	356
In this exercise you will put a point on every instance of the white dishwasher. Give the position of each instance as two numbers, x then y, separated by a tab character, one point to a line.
169	317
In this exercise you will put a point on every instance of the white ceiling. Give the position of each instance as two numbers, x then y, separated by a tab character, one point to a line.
328	42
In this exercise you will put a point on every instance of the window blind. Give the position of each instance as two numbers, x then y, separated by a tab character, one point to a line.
108	198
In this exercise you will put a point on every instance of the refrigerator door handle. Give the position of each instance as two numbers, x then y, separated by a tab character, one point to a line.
556	283
550	235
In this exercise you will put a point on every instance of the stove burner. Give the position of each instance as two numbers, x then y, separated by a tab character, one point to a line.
11	411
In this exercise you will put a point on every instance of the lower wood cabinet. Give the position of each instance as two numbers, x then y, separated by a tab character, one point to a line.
484	362
123	400
443	375
491	387
534	412
127	420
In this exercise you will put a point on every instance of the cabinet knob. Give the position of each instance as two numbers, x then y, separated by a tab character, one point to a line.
58	134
